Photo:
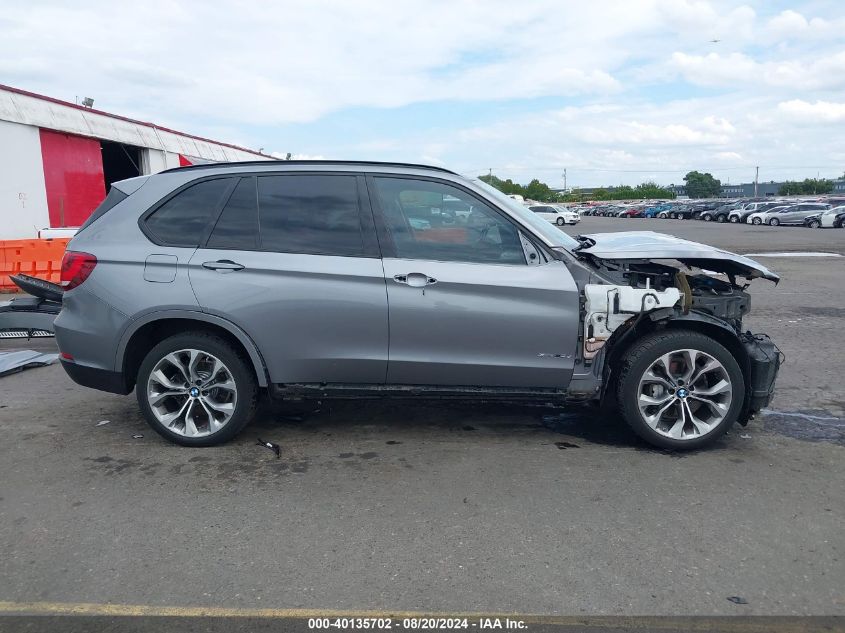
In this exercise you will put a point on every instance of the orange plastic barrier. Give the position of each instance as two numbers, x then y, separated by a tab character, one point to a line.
38	258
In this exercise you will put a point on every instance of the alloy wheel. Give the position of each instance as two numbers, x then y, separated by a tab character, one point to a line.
192	393
684	394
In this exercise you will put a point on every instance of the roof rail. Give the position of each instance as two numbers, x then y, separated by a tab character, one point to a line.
373	163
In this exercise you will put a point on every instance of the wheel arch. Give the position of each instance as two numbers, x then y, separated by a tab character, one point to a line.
152	328
699	322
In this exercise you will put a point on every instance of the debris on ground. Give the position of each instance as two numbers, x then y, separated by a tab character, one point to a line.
103	422
737	600
565	445
745	436
18	360
272	446
392	442
137	436
469	428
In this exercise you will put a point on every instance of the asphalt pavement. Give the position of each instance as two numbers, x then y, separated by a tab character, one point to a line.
414	506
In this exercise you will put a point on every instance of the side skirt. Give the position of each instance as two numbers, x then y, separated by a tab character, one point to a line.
297	391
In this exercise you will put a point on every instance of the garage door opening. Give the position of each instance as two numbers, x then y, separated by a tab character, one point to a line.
120	162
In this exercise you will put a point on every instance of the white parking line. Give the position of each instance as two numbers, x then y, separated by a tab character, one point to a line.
807	254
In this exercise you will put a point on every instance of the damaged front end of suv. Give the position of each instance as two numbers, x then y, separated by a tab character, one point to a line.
658	313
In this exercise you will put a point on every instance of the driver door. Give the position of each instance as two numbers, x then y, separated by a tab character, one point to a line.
465	305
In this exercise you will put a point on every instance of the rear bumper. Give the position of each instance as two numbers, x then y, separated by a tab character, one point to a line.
102	379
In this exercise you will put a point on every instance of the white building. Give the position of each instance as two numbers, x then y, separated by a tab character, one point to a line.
58	159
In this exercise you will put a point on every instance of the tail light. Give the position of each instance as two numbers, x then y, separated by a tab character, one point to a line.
76	267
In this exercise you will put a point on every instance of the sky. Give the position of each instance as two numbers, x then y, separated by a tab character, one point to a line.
613	92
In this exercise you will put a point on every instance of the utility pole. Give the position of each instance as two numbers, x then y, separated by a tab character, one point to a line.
490	176
756	180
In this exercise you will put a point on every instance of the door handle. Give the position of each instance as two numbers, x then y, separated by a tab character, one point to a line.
223	265
415	280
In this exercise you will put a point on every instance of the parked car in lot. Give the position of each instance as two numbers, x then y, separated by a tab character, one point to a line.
555	214
831	218
683	212
792	214
201	286
763	216
720	213
632	212
741	214
658	210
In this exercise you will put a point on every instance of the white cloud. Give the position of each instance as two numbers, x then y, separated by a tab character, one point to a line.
818	112
788	24
738	71
611	81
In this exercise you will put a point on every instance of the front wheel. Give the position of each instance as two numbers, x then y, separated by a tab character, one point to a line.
756	221
680	389
733	219
195	389
662	216
720	219
814	224
706	217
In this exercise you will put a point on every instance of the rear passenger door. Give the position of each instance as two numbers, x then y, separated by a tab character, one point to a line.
293	260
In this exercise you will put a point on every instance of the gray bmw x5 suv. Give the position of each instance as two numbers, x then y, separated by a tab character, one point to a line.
201	287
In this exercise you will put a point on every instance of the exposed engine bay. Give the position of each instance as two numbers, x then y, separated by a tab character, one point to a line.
634	288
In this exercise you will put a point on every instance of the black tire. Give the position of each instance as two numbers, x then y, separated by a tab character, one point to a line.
640	357
756	221
241	371
706	217
721	219
814	224
560	222
733	219
774	222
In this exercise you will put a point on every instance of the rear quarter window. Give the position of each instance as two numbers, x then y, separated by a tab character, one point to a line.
184	218
237	227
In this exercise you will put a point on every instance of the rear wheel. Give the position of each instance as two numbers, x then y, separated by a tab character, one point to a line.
195	389
733	219
663	215
680	389
774	222
720	219
560	222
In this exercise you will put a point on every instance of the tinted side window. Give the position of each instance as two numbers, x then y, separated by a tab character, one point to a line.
312	214
238	224
182	220
423	227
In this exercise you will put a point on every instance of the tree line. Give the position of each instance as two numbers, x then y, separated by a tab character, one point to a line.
541	192
697	185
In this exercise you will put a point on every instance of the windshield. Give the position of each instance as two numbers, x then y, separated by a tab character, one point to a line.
549	232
